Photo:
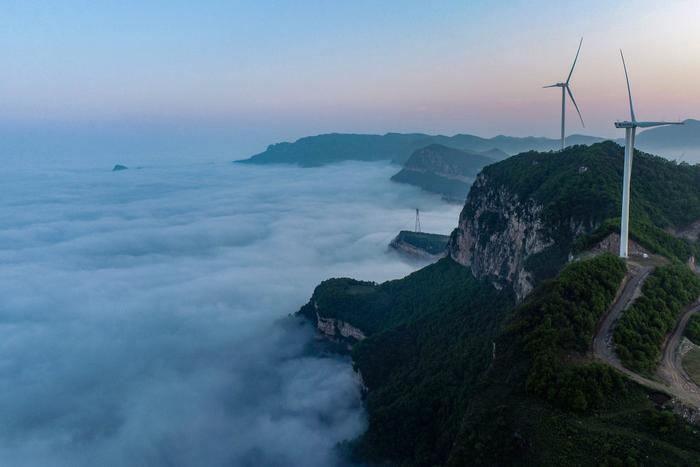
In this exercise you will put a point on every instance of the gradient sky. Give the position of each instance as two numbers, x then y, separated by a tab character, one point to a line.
277	70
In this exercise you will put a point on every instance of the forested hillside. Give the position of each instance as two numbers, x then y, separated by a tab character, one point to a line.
641	329
464	366
586	182
456	375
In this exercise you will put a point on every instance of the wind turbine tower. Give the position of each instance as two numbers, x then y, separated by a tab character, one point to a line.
417	228
566	88
630	133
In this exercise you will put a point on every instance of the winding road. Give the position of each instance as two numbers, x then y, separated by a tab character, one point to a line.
671	367
675	380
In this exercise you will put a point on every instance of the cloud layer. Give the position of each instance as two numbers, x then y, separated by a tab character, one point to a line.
142	313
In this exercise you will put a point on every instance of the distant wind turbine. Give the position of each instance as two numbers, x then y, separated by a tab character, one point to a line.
566	88
630	133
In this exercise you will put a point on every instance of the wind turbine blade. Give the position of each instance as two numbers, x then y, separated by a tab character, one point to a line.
575	58
571	95
651	124
550	86
629	91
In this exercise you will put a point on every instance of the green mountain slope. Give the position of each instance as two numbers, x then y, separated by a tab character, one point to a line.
444	170
641	330
456	376
585	182
465	366
429	338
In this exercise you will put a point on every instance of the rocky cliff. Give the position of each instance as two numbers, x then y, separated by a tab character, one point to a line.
335	328
499	234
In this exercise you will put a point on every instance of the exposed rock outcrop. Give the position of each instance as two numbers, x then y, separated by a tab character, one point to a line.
334	328
498	232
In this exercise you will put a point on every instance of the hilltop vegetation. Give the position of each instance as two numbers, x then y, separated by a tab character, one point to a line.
586	182
559	319
641	329
377	307
579	190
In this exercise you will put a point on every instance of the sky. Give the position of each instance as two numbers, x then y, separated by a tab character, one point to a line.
231	77
144	313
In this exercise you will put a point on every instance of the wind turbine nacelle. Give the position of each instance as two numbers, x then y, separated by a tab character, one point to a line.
625	124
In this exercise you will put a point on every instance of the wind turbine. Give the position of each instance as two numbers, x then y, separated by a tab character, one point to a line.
630	133
566	88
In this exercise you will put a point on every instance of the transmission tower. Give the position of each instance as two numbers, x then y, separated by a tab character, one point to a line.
417	229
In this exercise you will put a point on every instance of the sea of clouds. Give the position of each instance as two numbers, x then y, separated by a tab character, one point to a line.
144	314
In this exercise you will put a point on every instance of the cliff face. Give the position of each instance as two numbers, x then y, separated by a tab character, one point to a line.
335	328
498	232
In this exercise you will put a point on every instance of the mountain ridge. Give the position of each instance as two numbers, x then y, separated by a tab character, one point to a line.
444	170
314	151
328	148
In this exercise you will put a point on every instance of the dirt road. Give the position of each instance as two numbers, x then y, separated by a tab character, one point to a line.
671	368
602	343
676	382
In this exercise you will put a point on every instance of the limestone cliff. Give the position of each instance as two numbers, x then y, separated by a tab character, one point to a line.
499	232
335	328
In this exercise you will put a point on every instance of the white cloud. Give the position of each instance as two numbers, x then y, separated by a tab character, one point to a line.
142	312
